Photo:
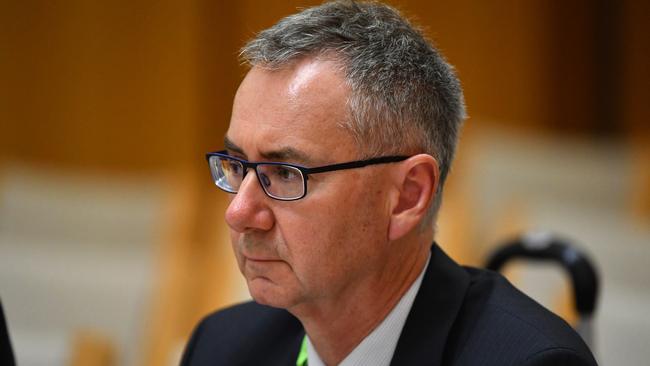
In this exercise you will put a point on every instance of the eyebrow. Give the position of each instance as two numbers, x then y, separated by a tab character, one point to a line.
229	145
285	154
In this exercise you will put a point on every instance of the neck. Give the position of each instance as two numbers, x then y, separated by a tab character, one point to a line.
335	327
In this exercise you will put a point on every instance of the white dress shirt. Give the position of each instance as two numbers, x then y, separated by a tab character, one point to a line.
378	347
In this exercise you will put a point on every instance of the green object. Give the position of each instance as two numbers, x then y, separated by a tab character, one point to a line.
302	356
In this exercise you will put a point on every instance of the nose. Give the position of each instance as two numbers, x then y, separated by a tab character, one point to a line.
248	210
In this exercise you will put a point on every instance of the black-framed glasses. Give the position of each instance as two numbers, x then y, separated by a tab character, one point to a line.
280	181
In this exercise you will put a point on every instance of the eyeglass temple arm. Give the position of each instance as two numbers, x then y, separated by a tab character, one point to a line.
355	164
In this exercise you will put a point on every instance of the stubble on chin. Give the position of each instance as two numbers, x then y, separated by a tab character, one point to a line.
270	283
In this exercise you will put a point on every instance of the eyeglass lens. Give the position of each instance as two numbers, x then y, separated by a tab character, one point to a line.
278	181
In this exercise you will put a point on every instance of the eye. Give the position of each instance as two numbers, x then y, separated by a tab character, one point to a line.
233	167
264	179
287	173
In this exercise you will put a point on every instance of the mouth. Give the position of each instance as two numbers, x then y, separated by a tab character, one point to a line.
261	259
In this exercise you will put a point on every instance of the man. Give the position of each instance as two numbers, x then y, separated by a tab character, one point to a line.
340	140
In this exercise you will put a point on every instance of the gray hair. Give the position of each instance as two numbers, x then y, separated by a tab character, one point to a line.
405	98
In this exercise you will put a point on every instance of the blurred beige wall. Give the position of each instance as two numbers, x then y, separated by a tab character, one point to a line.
114	84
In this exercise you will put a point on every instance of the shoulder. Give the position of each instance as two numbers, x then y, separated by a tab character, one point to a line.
506	327
244	334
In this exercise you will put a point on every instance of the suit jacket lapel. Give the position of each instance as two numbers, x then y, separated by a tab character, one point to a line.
294	349
434	311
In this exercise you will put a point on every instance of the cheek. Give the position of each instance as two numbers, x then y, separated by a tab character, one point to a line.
298	237
331	237
234	240
307	244
362	225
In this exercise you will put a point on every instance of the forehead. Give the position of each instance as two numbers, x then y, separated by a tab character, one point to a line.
301	107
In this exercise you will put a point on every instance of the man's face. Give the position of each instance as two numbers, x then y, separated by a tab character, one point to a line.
335	239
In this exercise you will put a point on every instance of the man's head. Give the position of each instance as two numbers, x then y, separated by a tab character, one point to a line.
405	98
338	83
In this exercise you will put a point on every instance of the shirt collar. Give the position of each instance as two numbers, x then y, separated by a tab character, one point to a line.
377	348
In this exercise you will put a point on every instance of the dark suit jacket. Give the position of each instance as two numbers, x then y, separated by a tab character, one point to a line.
461	316
6	354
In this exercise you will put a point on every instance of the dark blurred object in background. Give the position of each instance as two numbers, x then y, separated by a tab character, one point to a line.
6	353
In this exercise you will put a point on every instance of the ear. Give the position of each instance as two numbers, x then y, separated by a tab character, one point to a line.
417	180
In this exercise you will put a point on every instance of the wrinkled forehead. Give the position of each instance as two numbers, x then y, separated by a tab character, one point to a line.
302	106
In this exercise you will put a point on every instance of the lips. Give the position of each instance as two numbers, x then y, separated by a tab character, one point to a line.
260	258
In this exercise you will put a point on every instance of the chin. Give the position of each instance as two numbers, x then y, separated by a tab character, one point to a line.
265	292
